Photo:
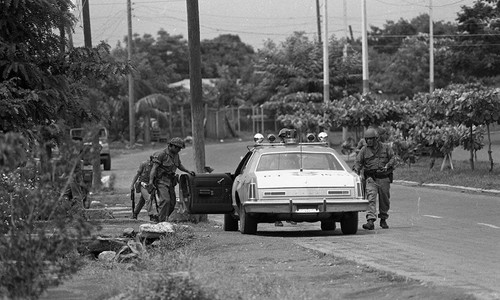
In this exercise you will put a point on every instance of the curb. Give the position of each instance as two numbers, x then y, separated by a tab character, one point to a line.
439	185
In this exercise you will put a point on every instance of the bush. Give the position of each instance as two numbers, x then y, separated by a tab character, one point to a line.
168	286
39	227
181	237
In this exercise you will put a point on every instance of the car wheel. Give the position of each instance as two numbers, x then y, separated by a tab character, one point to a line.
230	223
248	225
328	225
349	223
107	163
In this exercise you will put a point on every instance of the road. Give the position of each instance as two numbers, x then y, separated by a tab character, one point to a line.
436	236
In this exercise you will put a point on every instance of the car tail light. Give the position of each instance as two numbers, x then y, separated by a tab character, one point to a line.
359	189
252	192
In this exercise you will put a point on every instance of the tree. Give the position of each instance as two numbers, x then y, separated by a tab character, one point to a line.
43	89
157	63
390	38
469	105
156	105
225	53
406	72
477	53
38	80
294	66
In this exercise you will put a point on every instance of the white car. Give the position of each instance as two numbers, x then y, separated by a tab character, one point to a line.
280	181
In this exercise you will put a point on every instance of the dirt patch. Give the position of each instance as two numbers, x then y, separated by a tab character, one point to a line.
269	265
279	269
262	266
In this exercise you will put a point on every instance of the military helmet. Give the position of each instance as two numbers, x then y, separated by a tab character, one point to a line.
177	141
371	133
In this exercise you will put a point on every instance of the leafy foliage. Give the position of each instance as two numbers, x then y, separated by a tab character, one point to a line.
39	228
478	52
38	78
391	37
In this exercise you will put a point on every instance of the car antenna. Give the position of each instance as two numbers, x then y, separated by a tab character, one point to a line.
300	148
301	165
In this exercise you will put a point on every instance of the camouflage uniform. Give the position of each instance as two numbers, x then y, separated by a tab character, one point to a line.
163	177
376	164
165	181
141	179
76	191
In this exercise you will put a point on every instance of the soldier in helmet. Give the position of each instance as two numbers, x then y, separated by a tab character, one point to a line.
139	185
375	163
163	178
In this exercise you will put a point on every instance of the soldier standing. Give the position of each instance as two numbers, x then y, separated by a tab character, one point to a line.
375	163
163	178
139	184
74	191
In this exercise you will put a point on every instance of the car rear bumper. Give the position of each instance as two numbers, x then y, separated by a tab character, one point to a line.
303	207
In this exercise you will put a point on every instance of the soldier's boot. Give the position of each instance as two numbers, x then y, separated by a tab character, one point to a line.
134	216
369	225
383	224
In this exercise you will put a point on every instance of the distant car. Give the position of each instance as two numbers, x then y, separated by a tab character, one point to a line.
285	181
105	155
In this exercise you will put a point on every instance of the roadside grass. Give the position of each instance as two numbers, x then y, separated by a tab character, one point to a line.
163	272
249	285
461	175
172	269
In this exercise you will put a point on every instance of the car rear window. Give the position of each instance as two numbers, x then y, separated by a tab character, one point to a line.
294	161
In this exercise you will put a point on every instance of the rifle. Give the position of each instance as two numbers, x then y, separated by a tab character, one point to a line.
132	197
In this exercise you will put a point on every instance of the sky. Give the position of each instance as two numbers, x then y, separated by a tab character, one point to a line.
254	21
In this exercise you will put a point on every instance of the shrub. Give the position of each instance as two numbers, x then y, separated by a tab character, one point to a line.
39	228
168	286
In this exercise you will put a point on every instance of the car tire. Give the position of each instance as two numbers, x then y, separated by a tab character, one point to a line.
248	225
328	225
230	223
349	223
107	163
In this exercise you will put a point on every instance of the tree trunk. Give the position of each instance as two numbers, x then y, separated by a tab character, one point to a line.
489	147
147	129
170	120
345	133
471	149
183	123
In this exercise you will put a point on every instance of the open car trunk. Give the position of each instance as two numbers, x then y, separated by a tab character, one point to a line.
206	193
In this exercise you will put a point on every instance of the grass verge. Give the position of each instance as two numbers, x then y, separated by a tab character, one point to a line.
461	175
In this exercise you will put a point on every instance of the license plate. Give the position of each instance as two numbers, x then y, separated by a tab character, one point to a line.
307	210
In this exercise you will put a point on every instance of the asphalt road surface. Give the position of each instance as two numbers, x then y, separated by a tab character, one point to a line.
438	236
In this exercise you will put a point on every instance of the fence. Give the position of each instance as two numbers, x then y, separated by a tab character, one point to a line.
222	123
233	121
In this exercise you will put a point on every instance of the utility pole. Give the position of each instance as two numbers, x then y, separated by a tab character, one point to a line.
197	113
326	63
364	40
345	130
431	50
96	163
346	30
87	36
318	19
131	102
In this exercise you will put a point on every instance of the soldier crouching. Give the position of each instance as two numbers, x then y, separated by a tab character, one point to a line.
163	179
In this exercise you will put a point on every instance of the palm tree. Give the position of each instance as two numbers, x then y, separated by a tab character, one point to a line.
154	105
